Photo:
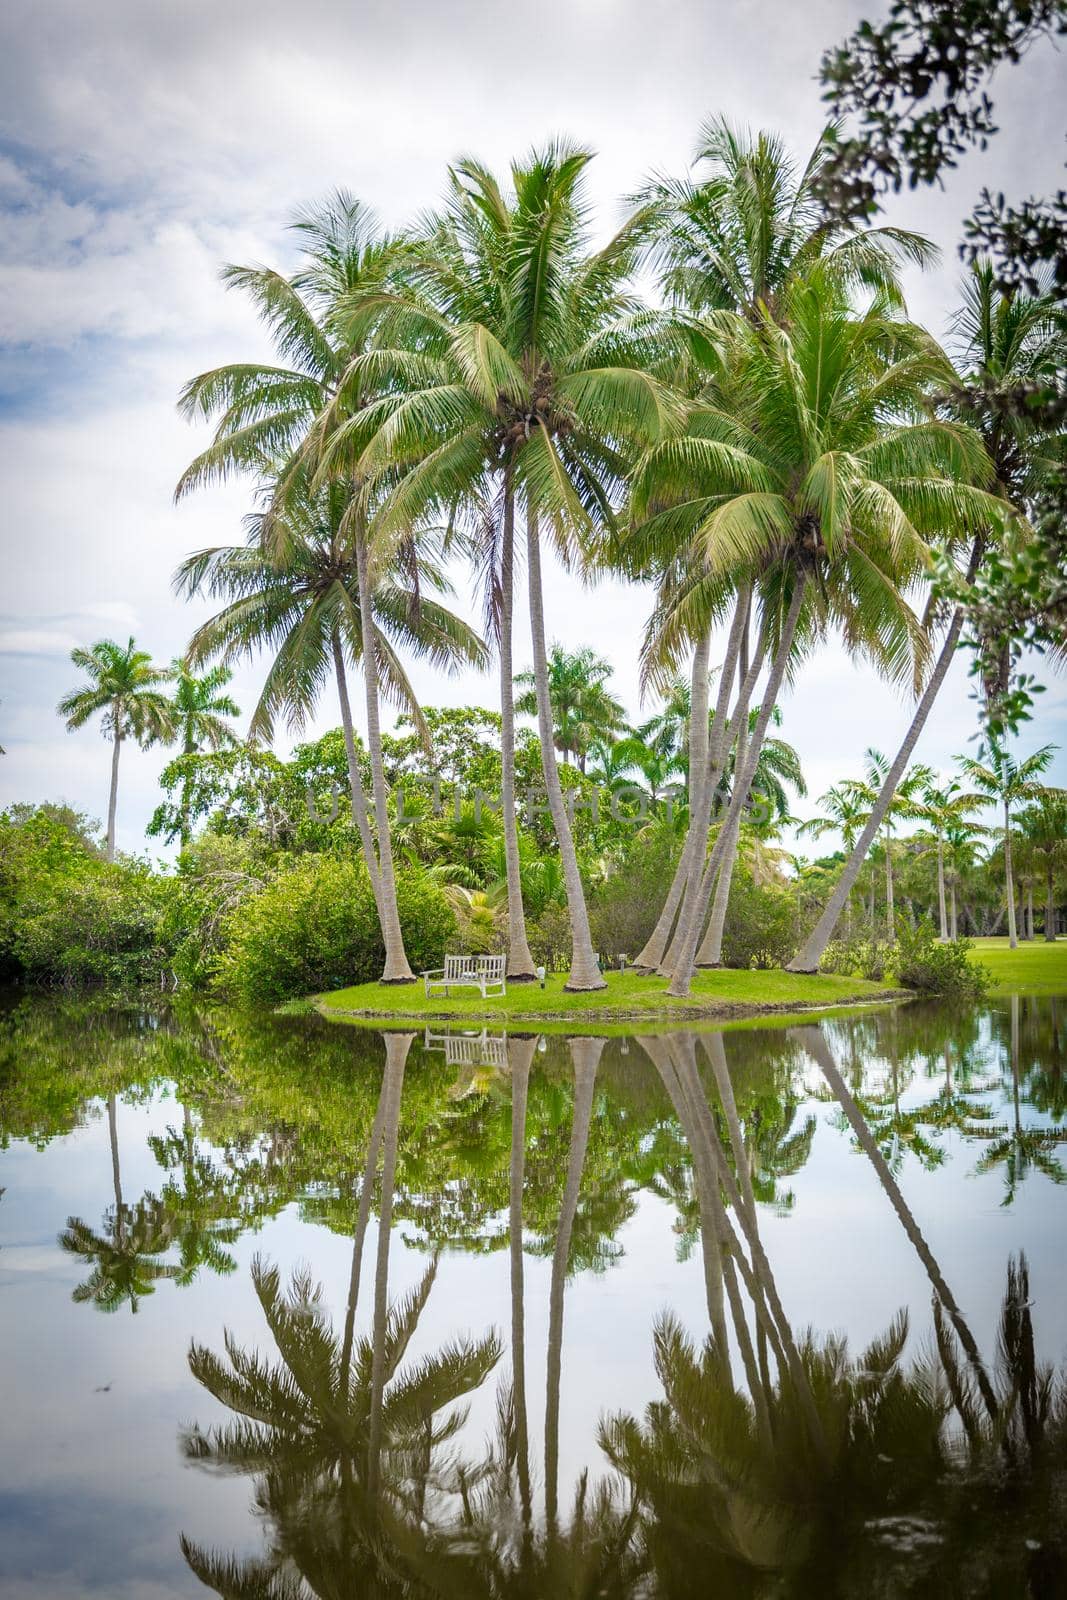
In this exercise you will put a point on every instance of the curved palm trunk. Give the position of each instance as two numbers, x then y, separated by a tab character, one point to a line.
1009	880
941	910
710	952
396	968
699	772
726	844
397	1046
585	973
113	796
585	1054
814	1042
355	781
520	1053
520	961
810	954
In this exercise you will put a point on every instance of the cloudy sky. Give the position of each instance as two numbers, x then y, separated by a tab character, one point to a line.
142	145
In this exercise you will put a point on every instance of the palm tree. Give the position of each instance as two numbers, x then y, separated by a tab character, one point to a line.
126	688
266	417
519	371
1002	343
584	712
1044	826
809	459
1007	783
842	812
902	804
733	240
298	597
944	807
125	1255
198	708
961	843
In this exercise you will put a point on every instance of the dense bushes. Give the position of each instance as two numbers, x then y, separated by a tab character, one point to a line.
922	963
760	928
315	927
917	961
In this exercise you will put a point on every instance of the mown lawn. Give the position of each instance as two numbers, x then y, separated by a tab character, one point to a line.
1034	968
725	993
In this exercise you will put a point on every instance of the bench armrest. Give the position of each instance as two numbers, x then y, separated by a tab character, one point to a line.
434	972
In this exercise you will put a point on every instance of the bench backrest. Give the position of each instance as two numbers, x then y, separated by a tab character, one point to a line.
489	967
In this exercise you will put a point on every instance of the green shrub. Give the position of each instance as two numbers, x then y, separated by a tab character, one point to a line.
549	937
315	927
760	927
624	907
105	924
921	962
859	955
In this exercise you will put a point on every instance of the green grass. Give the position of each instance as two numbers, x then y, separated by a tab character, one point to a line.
1034	968
628	997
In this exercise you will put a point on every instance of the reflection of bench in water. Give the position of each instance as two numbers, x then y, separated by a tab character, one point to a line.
483	1049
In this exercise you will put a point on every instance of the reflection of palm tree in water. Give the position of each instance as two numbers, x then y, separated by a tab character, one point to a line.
1022	1148
125	1256
343	1440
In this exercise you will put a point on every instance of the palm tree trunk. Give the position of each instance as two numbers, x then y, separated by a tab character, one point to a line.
520	961
396	968
941	911
699	772
814	1042
726	844
520	1052
710	952
1009	879
952	908
1050	906
1030	908
721	744
890	911
113	1135
585	974
355	781
397	1046
366	1194
585	1054
113	796
810	954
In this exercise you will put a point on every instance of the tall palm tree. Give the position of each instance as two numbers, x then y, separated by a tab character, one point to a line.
1003	781
584	711
962	839
127	689
1043	825
266	416
809	469
297	596
519	374
199	706
1001	343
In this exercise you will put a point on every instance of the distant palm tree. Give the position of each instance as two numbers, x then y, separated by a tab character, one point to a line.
943	807
584	711
904	803
1004	781
1044	826
126	688
199	706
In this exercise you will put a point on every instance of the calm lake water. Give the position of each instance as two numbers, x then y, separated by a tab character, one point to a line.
289	1308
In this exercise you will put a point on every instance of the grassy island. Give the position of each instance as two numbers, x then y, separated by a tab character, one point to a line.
628	997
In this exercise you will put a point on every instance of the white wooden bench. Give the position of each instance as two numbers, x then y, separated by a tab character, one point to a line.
484	973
